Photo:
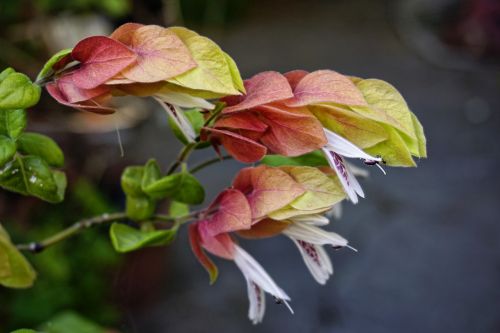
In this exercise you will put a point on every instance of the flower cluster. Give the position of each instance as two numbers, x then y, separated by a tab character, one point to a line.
299	112
323	112
176	66
264	202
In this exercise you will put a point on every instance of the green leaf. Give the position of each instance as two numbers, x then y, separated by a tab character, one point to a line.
235	73
6	72
322	192
151	173
18	92
190	190
71	322
213	73
386	105
12	122
178	209
131	180
182	187
139	207
394	150
7	150
196	119
314	158
30	175
15	271
421	140
24	330
42	146
61	183
125	238
361	131
47	68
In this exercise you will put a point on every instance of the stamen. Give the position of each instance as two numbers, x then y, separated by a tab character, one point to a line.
281	301
381	169
352	248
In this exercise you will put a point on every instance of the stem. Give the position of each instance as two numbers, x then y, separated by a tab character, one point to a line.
206	163
37	247
187	149
183	155
43	81
218	109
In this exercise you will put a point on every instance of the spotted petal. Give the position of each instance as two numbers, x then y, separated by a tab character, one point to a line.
347	179
316	259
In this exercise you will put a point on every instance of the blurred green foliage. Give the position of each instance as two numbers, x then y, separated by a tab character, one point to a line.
79	281
217	12
15	10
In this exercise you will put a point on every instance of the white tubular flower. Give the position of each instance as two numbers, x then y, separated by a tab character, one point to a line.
309	239
258	282
339	147
184	100
173	103
313	219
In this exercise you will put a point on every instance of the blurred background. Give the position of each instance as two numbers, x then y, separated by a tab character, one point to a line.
428	238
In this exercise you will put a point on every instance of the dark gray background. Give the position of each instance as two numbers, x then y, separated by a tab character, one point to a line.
428	238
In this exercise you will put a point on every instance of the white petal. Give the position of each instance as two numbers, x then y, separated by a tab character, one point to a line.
316	259
312	219
180	119
335	212
347	179
257	302
184	100
314	235
346	148
357	171
253	271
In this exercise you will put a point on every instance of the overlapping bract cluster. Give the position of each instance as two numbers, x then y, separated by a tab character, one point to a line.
175	64
292	114
286	114
264	202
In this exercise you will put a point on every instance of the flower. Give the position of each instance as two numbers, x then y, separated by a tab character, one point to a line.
335	150
260	122
176	66
306	234
304	231
212	234
369	113
291	201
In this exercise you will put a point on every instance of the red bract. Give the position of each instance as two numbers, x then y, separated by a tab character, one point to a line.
291	131
161	55
267	189
240	147
259	122
295	76
323	86
74	94
232	213
261	89
220	245
96	103
100	59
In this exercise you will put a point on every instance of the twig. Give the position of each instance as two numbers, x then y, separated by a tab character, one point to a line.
204	164
183	155
217	110
37	247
